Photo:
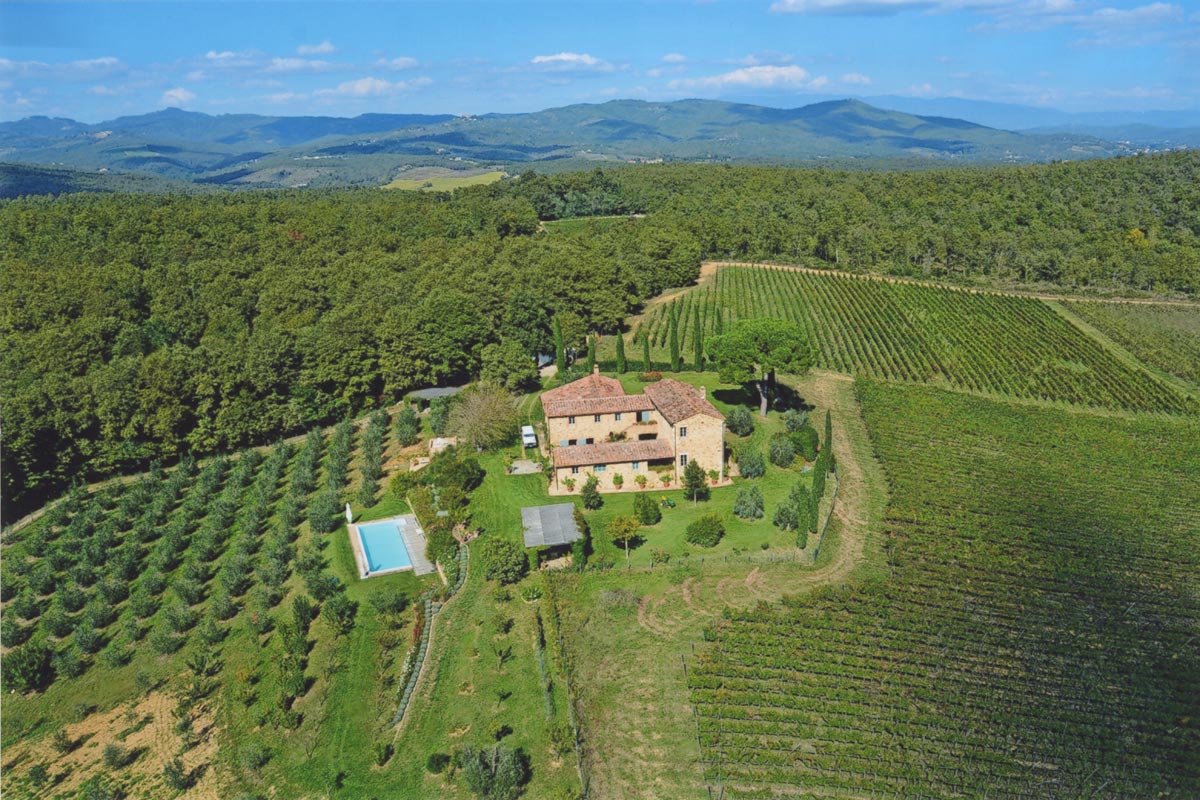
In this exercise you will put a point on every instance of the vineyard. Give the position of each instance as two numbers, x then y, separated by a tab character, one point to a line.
992	344
218	586
1039	635
1165	336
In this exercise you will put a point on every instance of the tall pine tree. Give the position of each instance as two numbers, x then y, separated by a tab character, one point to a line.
620	354
698	338
646	365
560	350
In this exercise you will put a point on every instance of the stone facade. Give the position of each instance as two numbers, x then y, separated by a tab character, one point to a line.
594	428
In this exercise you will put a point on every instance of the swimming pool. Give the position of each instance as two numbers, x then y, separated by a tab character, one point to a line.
383	545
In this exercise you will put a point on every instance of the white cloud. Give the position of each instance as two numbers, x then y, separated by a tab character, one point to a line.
762	77
196	75
228	59
865	7
88	69
286	97
177	97
674	58
402	62
298	65
324	48
761	57
570	61
372	87
855	79
105	91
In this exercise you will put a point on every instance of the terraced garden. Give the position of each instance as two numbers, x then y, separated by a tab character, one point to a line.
1039	635
991	344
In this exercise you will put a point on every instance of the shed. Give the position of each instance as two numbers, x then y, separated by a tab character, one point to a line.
550	526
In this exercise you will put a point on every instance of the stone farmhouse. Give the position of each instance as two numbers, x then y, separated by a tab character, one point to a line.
593	427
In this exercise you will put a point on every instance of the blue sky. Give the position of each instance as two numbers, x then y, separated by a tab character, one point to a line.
95	61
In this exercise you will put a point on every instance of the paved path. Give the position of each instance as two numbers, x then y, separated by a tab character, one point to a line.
414	542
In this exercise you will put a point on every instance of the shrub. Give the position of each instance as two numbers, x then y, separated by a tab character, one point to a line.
646	509
436	763
68	664
408	426
115	756
176	776
740	421
39	776
590	494
439	415
749	503
781	451
383	752
794	420
650	376
531	592
13	633
502	622
618	480
253	756
706	531
504	560
751	463
805	442
339	611
388	601
495	773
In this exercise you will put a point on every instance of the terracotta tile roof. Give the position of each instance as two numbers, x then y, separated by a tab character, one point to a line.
580	455
597	405
677	401
594	385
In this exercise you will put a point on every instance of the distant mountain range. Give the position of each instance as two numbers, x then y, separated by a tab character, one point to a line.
253	150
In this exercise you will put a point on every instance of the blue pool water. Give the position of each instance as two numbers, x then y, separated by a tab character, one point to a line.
383	545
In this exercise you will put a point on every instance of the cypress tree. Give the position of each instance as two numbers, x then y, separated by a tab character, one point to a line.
698	338
560	350
718	325
676	359
645	352
620	354
826	445
591	363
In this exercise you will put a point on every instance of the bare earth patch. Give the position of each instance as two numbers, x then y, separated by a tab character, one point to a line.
150	734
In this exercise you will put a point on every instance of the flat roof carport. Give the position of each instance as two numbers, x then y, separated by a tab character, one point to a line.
550	526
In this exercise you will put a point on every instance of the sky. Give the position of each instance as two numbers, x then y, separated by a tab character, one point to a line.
95	61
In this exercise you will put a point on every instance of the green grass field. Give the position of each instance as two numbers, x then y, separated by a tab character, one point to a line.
443	180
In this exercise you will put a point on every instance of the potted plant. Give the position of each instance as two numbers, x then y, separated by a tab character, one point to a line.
569	483
666	479
618	481
640	480
714	476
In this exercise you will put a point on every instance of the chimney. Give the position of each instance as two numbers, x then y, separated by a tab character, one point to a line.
595	369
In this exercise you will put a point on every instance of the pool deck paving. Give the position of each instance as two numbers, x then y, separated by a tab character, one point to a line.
414	543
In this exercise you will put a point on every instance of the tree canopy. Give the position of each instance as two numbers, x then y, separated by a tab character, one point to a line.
752	351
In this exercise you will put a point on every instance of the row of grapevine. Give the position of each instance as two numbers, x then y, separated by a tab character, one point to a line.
1038	636
991	344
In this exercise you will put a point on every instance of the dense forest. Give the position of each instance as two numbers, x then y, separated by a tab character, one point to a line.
1124	223
137	327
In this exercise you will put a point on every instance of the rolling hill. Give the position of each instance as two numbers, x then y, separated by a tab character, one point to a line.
372	149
